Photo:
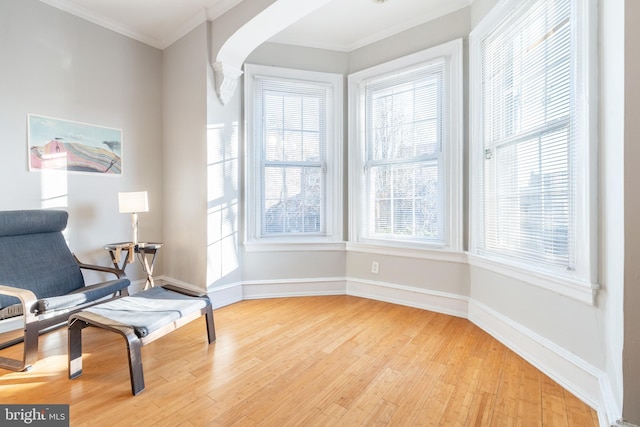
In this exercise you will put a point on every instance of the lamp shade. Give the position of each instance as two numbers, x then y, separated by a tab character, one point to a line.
133	202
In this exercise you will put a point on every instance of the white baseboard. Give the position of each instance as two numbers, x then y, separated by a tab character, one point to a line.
440	302
225	295
611	406
220	296
259	289
573	373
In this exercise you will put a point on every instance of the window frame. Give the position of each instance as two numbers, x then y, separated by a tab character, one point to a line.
333	176
580	283
452	140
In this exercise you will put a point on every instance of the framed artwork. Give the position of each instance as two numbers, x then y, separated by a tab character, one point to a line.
56	144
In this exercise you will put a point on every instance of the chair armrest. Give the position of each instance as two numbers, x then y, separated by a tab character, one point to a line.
120	274
26	297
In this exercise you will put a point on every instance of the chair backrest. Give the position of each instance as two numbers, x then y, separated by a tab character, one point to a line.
34	254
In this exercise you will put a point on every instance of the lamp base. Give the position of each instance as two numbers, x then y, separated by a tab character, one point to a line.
134	228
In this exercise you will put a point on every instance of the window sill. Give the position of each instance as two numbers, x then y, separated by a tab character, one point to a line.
432	253
579	290
287	245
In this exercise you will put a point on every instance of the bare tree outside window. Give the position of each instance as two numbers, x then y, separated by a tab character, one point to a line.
404	156
293	175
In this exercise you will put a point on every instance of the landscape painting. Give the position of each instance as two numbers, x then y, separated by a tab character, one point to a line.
56	144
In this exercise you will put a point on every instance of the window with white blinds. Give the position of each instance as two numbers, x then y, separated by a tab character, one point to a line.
403	165
291	139
530	130
403	119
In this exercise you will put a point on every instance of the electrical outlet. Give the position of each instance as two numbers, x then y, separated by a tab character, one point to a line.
375	267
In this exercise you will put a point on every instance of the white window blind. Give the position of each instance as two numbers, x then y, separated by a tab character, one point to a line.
406	121
528	196
293	169
292	130
403	169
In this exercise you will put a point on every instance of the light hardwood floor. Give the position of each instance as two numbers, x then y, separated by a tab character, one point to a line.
309	361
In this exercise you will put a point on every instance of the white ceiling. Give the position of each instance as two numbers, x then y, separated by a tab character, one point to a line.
341	25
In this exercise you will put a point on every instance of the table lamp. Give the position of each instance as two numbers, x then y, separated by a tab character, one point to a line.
133	202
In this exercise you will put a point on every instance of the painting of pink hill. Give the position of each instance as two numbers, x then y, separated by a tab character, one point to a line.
56	144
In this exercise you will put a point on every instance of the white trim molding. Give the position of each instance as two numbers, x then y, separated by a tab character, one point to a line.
439	302
408	252
451	180
581	291
259	27
225	295
289	246
259	289
157	39
225	78
220	296
327	89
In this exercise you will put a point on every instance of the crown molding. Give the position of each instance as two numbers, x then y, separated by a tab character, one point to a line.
101	20
206	14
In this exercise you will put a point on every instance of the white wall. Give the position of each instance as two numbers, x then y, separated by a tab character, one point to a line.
184	154
224	124
444	29
55	64
301	58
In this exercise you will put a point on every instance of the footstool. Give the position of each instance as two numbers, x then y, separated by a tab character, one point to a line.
140	318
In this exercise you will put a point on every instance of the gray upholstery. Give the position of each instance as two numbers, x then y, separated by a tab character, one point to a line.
149	310
15	223
80	296
35	256
42	280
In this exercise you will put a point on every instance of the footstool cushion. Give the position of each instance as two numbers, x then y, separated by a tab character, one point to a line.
140	318
149	310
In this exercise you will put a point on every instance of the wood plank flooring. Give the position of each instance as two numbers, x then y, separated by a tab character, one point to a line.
309	361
